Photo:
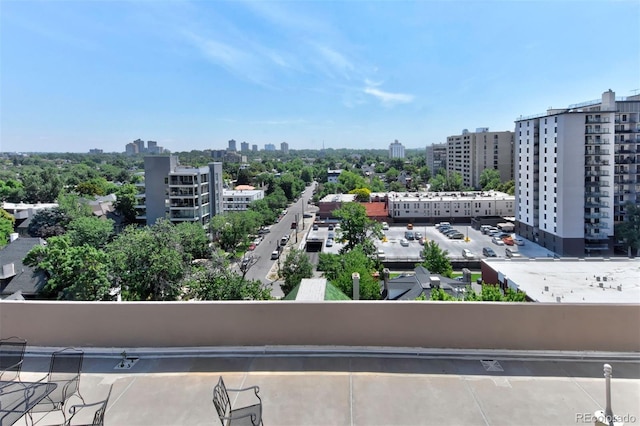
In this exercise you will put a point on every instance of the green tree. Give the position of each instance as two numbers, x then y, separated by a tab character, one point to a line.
338	269
306	174
296	267
12	191
490	179
356	228
7	222
216	281
445	181
377	185
148	263
194	240
628	231
232	228
42	186
72	206
90	231
436	260
350	181
363	195
392	174
46	223
126	201
74	273
508	187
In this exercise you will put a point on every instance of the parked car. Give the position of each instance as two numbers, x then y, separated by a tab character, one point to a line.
511	252
330	227
466	253
409	226
441	224
450	231
264	230
488	252
329	242
507	240
275	254
385	226
456	236
307	215
421	241
417	235
315	226
381	255
518	241
497	241
251	247
331	235
409	235
404	242
284	240
444	229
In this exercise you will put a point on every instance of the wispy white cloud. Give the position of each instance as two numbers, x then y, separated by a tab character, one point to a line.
388	98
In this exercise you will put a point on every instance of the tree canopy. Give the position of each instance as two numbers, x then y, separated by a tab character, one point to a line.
356	228
296	267
436	260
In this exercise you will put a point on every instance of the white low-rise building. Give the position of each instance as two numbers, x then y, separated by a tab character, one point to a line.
434	206
239	200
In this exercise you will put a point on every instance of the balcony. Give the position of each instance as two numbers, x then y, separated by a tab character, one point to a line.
595	236
596	163
596	215
596	141
596	173
599	184
596	194
597	152
597	119
596	204
596	131
601	225
596	247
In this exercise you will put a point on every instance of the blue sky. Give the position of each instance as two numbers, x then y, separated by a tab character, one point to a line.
76	75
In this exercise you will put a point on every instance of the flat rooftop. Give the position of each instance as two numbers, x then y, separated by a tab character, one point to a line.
354	386
444	196
573	280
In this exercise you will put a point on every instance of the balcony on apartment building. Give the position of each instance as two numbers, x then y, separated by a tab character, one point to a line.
597	119
596	130
600	162
596	204
599	225
590	140
596	152
596	173
599	215
590	235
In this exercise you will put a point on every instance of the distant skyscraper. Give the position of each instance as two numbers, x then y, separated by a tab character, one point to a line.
269	147
437	157
95	151
396	150
284	147
254	148
472	152
152	147
140	144
232	145
131	149
244	147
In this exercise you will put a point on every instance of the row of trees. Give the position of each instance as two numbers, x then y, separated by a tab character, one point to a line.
159	262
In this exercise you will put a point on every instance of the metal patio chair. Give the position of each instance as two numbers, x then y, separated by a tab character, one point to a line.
98	416
11	357
64	371
246	415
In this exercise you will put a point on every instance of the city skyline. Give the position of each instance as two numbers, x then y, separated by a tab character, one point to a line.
193	75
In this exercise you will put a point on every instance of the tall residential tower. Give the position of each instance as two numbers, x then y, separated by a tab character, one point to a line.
577	168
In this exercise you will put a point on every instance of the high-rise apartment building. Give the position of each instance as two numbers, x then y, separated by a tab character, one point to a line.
232	145
179	193
131	149
472	152
140	144
284	147
244	147
254	148
436	157
577	168
269	147
396	150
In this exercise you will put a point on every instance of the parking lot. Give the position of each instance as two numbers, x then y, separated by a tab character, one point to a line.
474	241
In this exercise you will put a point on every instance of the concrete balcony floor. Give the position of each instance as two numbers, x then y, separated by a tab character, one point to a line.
356	387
